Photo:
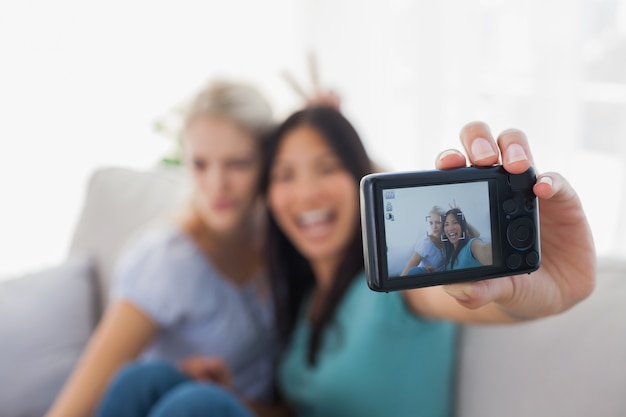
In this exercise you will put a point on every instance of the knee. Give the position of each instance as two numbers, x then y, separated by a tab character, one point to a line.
200	400
132	373
137	387
137	375
417	270
146	370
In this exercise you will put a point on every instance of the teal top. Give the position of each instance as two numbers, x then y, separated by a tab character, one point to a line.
377	359
465	259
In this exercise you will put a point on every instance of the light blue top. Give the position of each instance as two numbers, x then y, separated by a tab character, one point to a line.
431	254
465	258
199	312
377	359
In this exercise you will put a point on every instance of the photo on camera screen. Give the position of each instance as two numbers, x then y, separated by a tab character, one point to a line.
420	241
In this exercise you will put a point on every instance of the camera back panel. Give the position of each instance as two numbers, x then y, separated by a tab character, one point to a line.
494	208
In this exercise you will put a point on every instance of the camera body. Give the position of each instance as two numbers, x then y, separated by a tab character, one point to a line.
493	232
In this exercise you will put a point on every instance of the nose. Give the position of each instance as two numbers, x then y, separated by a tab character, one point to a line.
307	187
215	177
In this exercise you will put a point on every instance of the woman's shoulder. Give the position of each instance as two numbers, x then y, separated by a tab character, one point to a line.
167	248
423	242
475	241
168	241
161	267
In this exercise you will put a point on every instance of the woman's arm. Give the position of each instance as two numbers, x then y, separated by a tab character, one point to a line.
120	336
567	272
414	261
482	252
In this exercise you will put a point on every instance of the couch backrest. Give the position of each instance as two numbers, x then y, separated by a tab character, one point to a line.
119	204
570	365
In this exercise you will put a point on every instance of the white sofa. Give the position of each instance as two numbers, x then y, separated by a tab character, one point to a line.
568	365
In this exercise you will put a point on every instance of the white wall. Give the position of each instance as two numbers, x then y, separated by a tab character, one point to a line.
81	84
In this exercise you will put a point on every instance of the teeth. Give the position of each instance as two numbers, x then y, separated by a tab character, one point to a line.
311	217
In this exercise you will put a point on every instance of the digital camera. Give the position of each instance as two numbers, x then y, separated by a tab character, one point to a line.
439	227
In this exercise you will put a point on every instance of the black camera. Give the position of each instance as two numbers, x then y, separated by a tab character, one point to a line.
440	227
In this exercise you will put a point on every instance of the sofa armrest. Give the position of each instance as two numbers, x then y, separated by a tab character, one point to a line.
573	364
46	318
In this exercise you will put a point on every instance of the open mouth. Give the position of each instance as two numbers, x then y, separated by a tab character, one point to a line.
316	223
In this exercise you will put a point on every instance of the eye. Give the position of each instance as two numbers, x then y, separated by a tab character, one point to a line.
199	165
330	166
241	164
281	174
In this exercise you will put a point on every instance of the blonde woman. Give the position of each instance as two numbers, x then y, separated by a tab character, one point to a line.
429	254
198	286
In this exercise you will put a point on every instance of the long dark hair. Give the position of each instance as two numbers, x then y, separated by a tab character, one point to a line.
452	253
290	273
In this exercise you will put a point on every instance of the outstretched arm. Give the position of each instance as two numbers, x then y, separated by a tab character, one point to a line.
482	251
567	272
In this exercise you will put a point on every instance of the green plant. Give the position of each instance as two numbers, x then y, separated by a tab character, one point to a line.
170	125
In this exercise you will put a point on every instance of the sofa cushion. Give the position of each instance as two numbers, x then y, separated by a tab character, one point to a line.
119	204
572	364
45	320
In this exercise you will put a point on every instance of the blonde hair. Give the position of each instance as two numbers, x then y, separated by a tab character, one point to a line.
438	210
238	102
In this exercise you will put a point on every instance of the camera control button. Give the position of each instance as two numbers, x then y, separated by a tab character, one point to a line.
514	261
509	206
532	258
520	233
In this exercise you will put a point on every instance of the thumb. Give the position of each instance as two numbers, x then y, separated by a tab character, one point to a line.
477	294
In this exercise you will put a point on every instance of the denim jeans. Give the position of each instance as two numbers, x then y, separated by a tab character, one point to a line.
417	270
158	389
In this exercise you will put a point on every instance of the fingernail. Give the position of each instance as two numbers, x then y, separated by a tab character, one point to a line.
482	149
444	154
457	291
515	153
546	180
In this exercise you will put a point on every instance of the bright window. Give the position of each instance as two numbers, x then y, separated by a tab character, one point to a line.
82	83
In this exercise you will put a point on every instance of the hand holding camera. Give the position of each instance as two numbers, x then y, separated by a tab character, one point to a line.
565	251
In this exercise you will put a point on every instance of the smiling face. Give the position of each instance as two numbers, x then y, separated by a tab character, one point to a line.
312	196
225	164
453	229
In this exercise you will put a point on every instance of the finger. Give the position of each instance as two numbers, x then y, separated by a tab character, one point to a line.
297	88
516	155
217	367
554	186
450	159
477	294
545	186
313	71
479	144
221	374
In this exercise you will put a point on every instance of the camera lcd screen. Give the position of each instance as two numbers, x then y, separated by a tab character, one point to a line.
435	229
